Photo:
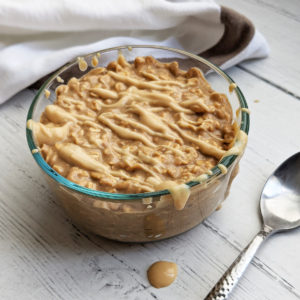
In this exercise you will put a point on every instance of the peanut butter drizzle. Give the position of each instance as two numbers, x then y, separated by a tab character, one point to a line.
135	128
232	86
239	145
246	110
59	79
222	168
94	61
82	64
202	178
47	93
162	274
180	192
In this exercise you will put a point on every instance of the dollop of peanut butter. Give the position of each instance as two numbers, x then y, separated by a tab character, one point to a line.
162	274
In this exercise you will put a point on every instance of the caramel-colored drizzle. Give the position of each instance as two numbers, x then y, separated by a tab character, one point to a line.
142	102
82	64
232	86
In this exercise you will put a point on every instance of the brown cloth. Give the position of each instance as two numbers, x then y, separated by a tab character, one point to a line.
238	33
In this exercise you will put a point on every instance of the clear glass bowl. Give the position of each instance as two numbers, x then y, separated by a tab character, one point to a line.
145	216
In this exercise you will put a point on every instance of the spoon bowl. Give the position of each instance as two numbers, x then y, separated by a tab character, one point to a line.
280	198
280	209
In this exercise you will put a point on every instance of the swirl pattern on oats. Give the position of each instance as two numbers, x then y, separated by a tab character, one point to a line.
133	128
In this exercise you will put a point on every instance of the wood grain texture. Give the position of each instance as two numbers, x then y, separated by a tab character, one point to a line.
43	256
279	22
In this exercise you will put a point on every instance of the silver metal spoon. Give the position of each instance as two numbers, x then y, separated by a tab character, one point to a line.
280	208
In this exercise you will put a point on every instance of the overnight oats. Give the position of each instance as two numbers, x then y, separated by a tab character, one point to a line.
143	129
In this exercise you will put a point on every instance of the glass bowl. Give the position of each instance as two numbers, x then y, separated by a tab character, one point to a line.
145	216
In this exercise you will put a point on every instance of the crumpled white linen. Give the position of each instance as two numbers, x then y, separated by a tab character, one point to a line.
37	37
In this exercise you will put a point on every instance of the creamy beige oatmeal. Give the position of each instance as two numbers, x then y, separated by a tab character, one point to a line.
134	128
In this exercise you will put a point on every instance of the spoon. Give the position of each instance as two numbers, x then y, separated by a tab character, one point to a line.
280	209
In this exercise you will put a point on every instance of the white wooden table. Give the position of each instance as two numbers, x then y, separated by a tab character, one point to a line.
42	256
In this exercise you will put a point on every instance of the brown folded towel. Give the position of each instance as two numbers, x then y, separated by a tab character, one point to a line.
238	33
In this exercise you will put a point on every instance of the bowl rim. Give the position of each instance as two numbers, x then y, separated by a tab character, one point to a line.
215	171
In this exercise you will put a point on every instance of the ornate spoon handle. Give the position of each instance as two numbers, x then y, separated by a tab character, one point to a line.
231	277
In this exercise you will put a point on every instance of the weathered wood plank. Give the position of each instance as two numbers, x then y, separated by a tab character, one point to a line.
279	22
274	135
43	255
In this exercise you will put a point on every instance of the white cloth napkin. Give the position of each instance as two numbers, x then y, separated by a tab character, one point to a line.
37	37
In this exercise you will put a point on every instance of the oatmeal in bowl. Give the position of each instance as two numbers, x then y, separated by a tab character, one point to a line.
139	143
